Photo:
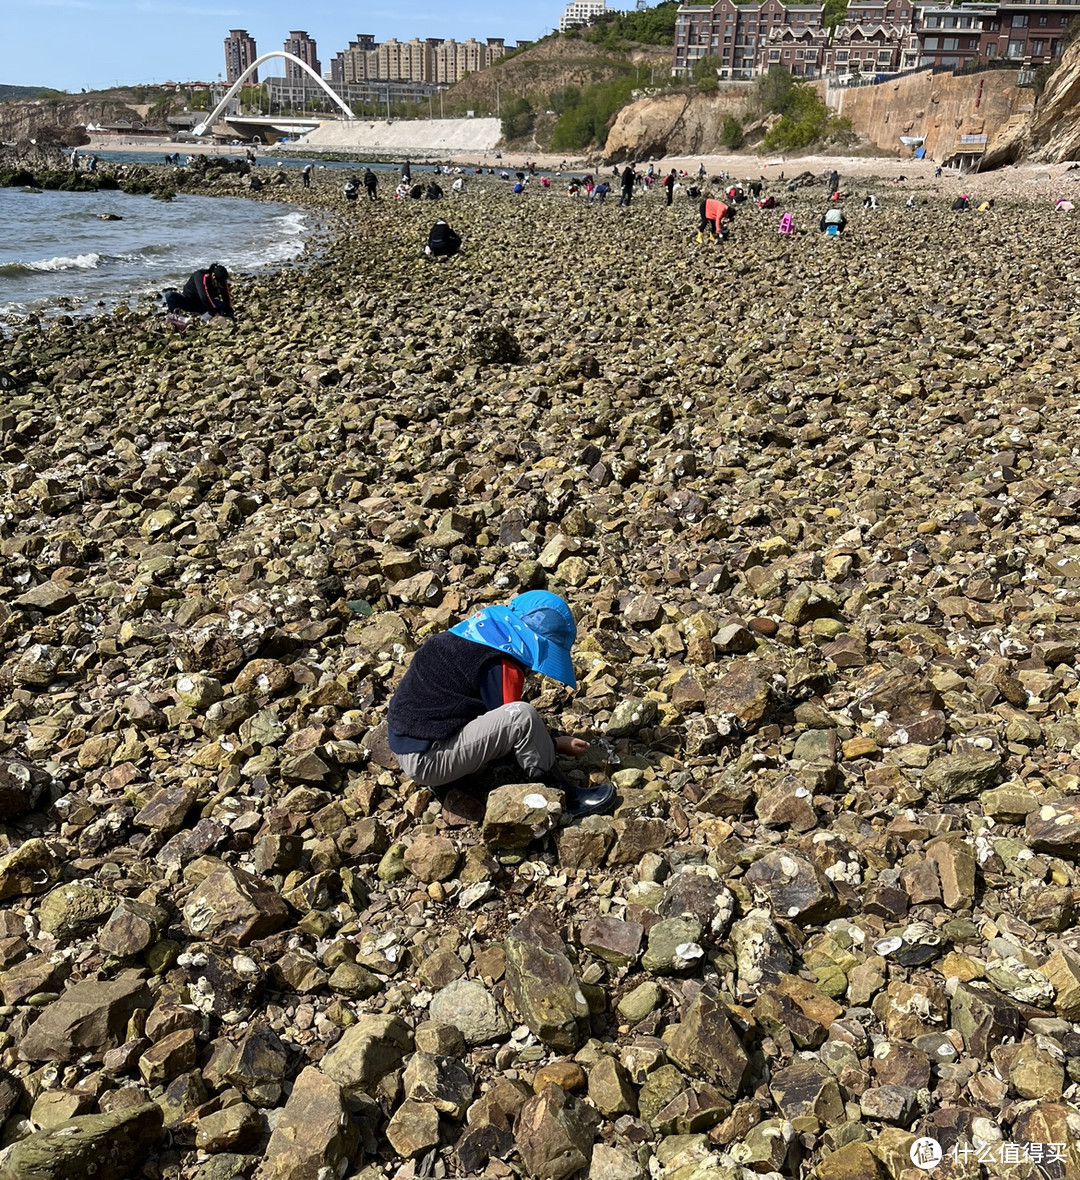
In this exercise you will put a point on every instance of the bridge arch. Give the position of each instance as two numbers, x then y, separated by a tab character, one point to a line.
234	89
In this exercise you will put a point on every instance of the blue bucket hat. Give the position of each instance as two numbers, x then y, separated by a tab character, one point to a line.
536	628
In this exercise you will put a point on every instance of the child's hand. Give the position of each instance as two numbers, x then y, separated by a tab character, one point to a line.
571	746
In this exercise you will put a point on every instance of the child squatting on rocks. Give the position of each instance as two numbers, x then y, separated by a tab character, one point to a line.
459	707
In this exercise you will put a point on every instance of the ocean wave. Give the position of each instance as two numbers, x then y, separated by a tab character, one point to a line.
78	262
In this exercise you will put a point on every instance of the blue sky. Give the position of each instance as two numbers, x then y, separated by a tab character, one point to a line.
76	44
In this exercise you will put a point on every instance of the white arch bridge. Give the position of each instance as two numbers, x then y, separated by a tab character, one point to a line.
234	89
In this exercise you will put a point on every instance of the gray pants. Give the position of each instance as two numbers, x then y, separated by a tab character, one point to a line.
515	728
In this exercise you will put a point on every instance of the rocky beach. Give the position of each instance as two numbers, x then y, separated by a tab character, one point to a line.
815	505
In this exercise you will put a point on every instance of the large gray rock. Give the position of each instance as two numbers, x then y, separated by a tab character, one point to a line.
707	1045
469	1007
99	1146
542	981
555	1134
89	1017
234	907
315	1136
373	1047
519	813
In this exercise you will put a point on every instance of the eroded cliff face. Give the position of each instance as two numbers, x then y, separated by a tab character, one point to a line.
1051	132
1054	132
24	120
673	125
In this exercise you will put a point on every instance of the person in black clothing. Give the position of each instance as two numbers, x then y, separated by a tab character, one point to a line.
459	705
205	293
406	173
442	241
834	182
433	192
669	185
351	189
627	182
370	184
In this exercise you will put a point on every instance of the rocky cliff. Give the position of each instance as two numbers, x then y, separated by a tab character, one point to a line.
1051	132
26	120
673	124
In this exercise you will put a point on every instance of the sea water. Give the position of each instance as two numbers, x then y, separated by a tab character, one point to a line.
59	252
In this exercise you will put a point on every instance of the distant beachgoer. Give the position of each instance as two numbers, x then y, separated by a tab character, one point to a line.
433	192
701	170
205	293
458	186
305	175
834	182
601	191
627	182
669	186
962	204
869	201
406	173
255	184
714	216
74	159
371	184
833	221
351	189
1063	206
442	241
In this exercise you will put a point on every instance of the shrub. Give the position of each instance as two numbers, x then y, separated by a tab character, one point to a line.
518	118
731	134
586	113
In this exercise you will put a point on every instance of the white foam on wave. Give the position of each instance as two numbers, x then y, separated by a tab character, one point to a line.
79	262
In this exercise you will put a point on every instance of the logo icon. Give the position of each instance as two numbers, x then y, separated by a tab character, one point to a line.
926	1153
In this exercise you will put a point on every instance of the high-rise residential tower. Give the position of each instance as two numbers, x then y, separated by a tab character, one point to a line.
300	45
240	52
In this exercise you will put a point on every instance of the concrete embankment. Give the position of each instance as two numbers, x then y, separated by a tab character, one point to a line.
404	137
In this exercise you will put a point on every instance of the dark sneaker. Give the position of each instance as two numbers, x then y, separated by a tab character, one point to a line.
579	802
592	800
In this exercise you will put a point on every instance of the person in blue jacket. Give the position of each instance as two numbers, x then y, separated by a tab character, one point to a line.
459	705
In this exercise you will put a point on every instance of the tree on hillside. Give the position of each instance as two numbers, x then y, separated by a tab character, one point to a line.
649	26
518	118
835	11
772	90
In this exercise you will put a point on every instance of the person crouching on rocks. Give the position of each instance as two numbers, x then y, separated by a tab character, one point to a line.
442	241
205	293
459	705
833	222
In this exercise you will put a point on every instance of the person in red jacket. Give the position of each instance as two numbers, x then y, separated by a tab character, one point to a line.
459	705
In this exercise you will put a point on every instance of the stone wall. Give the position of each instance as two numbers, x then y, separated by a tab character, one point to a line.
939	106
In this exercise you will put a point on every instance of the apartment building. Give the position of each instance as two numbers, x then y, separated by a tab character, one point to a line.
240	52
875	37
1027	34
435	60
581	12
300	45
